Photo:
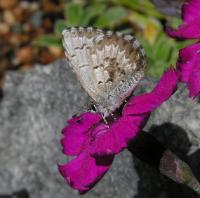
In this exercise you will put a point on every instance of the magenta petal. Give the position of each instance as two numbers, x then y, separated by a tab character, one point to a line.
189	52
186	31
186	60
190	10
118	135
189	67
134	116
84	121
83	172
76	133
149	101
194	79
191	21
112	141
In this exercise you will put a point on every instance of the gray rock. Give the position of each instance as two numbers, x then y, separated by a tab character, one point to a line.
176	125
169	7
35	108
33	111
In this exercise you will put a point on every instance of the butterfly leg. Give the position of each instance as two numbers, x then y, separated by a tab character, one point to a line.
104	118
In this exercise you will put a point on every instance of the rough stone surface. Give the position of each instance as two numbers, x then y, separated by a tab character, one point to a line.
169	7
33	111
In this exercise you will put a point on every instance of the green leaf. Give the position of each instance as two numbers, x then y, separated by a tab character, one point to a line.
111	17
162	49
73	14
147	47
133	4
141	6
91	12
59	26
174	22
149	26
48	40
160	55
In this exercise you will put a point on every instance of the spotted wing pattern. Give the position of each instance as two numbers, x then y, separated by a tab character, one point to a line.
108	65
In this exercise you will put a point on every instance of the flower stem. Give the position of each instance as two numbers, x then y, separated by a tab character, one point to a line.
148	149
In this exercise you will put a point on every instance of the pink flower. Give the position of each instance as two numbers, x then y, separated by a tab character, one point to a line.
191	21
83	171
95	143
189	57
189	67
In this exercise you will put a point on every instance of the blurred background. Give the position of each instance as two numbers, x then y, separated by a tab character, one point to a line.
30	30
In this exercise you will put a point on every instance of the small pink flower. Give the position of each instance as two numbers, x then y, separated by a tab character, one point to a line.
191	21
189	67
83	171
95	143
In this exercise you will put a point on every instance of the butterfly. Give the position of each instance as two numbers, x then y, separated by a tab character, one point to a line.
108	64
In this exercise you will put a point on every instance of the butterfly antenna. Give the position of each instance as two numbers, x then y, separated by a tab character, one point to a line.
94	108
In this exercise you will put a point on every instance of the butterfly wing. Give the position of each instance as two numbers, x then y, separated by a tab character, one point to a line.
108	65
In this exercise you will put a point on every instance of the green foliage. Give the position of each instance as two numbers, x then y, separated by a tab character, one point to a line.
161	54
74	14
128	16
59	27
47	41
77	15
111	17
140	6
96	14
